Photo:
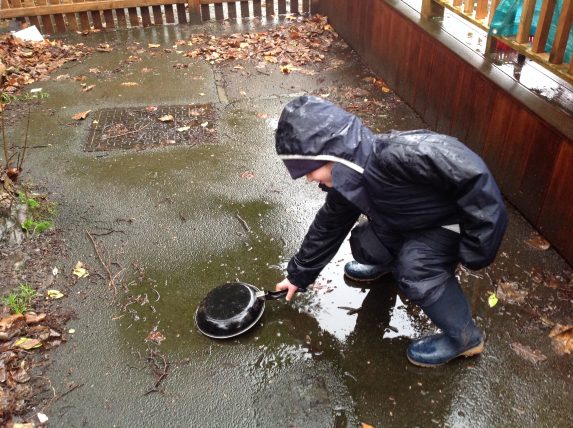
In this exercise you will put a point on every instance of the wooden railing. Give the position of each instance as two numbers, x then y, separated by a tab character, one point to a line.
480	13
52	16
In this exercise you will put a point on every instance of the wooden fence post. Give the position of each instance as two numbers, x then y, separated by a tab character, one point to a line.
315	6
194	11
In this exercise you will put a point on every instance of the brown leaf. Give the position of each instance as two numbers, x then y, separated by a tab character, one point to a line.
130	84
247	175
151	109
155	336
562	339
166	118
33	318
11	326
104	47
509	292
532	355
538	242
81	116
88	88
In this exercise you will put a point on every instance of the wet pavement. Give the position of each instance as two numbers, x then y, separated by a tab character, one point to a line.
183	219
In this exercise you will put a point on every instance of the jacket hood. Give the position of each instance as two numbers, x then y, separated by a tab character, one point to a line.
313	129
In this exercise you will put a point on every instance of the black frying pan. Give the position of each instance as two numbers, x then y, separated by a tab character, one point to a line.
232	308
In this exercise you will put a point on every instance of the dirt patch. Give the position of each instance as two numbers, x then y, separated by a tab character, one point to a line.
26	340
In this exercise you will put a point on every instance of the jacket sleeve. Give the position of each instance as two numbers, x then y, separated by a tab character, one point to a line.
451	167
330	227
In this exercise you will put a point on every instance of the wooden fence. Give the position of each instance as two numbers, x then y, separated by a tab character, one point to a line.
480	13
52	16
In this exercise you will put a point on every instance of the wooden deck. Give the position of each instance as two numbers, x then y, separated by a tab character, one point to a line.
526	141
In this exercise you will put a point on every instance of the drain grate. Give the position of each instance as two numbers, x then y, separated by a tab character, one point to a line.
149	127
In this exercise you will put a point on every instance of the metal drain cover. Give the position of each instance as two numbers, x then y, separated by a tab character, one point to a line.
149	127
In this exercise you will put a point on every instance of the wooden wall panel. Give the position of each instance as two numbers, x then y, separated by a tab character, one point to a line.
557	213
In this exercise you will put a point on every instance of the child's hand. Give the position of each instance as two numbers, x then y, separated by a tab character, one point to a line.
285	284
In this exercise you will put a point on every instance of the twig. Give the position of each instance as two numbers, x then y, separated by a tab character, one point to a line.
5	144
155	367
107	137
79	385
111	283
243	223
158	295
21	160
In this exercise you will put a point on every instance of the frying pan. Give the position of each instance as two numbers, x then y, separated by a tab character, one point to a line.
231	309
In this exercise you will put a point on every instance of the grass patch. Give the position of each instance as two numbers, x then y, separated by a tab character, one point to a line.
20	300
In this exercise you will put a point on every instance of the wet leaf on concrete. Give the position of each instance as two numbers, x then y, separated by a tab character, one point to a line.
27	343
81	115
104	47
153	45
130	84
34	318
532	355
166	118
562	339
80	271
365	425
538	242
155	336
509	292
88	88
54	294
492	300
247	175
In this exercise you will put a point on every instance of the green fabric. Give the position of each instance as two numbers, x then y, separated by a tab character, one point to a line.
506	22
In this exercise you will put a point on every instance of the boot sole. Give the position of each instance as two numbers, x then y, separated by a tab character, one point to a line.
478	349
365	280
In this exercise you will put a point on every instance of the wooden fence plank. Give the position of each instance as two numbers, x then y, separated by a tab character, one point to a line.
84	17
205	14
96	19
269	7
481	10
72	22
524	28
58	18
181	13
245	9
219	15
120	14
282	7
543	26
194	11
257	9
232	10
108	18
133	17
562	34
145	16
293	6
305	6
46	20
157	15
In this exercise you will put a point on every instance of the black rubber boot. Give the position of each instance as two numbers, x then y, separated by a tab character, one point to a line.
459	337
364	273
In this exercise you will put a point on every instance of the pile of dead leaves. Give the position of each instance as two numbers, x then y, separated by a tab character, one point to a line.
20	336
298	43
27	62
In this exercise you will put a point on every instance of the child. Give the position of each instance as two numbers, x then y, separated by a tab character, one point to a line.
430	204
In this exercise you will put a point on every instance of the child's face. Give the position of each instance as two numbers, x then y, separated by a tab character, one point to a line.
322	175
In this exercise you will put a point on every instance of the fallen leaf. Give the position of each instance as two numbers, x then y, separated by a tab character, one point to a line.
151	109
71	331
104	47
94	71
80	271
55	271
509	292
492	300
166	118
27	343
365	425
247	175
130	84
532	355
153	45
286	69
34	318
81	116
204	124
155	336
11	326
23	425
562	339
42	418
538	242
55	294
183	129
88	88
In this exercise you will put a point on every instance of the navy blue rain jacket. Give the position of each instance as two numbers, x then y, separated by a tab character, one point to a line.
402	181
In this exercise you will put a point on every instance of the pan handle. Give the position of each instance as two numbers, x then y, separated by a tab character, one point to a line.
274	295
